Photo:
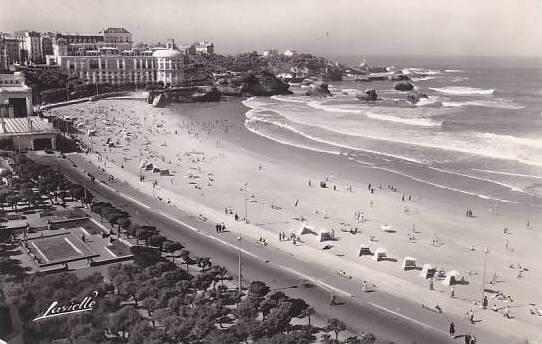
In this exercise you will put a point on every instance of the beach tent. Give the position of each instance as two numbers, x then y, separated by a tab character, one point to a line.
387	228
155	169
142	164
149	166
380	253
364	250
305	229
451	278
428	271
409	263
164	172
325	235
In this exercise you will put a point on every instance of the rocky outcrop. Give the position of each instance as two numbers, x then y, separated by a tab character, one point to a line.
263	84
399	77
404	86
414	96
369	95
319	90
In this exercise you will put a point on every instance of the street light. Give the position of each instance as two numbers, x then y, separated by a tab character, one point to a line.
239	251
246	202
486	252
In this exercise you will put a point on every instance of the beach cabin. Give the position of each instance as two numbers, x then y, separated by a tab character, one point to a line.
428	271
409	263
304	229
452	277
364	250
325	235
380	254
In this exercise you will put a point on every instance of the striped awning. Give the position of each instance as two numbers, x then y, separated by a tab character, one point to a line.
25	125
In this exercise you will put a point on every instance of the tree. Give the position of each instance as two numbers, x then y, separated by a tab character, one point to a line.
123	319
336	326
170	247
150	304
156	240
308	312
258	289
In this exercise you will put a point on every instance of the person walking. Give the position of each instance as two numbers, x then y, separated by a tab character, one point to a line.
484	302
467	338
452	292
506	313
452	329
471	318
364	286
332	302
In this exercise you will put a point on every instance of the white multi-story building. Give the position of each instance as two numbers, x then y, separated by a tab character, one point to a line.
203	48
270	52
30	45
108	65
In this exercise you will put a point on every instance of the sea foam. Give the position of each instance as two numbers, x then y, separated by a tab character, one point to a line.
417	121
463	91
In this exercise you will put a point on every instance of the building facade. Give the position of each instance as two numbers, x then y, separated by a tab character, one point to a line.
109	65
203	48
30	45
15	96
270	52
9	51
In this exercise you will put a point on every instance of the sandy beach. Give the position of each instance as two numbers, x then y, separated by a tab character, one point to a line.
218	168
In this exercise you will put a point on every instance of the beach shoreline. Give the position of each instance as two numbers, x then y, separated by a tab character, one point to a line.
215	148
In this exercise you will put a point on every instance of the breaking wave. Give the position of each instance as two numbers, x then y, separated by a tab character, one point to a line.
420	122
462	91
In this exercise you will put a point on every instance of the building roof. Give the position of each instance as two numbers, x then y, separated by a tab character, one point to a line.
169	53
23	125
116	30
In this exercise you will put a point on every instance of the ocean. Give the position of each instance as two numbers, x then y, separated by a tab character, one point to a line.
479	131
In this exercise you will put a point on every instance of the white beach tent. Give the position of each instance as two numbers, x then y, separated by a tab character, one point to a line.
409	263
387	228
451	277
305	229
380	253
428	271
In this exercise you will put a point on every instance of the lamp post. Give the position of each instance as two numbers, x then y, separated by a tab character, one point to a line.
239	252
246	202
486	252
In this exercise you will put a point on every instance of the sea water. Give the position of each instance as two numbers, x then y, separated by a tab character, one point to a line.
478	131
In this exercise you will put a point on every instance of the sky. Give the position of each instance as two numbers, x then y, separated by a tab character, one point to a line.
336	27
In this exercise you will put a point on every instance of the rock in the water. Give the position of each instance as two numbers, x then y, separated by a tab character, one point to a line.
399	77
319	90
370	95
263	84
404	86
414	96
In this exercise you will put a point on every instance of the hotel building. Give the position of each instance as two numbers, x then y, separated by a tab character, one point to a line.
92	61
